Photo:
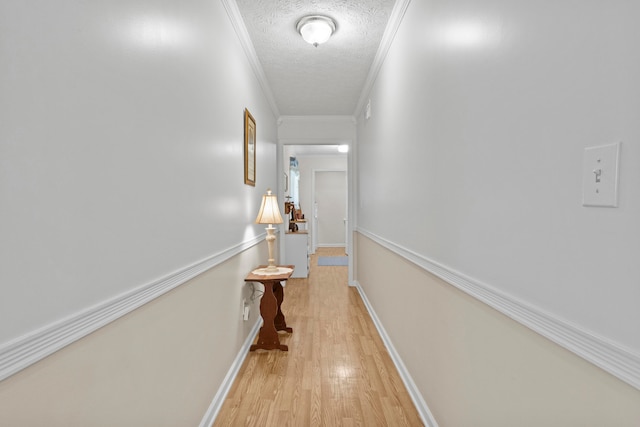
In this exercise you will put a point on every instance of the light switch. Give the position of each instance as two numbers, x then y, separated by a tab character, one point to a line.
600	176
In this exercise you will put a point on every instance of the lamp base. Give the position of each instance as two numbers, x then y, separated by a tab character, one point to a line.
271	238
271	266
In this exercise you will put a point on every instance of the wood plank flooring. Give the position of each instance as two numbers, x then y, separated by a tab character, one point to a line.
337	371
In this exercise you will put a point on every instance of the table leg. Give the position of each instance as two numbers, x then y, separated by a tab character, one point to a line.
279	321
268	336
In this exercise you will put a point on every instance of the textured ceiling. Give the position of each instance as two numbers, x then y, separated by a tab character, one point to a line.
323	80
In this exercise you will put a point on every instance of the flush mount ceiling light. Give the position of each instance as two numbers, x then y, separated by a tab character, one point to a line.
316	29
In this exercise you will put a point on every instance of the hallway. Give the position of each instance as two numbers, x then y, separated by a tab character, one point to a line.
337	371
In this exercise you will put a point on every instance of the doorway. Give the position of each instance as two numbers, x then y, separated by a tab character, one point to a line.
324	158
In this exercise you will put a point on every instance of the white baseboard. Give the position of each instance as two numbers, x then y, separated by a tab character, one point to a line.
416	396
221	395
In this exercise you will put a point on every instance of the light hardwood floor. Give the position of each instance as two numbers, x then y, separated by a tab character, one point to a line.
337	371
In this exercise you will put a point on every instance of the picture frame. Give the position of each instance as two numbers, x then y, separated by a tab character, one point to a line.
249	149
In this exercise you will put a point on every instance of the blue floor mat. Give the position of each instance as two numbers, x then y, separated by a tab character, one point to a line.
333	260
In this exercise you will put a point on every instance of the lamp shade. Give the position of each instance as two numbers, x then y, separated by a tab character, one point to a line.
269	212
316	29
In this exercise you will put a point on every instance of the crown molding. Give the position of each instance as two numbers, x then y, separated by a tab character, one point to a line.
328	119
397	14
315	141
237	22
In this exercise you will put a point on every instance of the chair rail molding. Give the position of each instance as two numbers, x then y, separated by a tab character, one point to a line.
602	352
28	349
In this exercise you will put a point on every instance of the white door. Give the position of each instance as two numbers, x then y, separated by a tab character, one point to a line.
330	208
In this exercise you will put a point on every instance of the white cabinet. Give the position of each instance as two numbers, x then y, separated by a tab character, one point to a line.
296	252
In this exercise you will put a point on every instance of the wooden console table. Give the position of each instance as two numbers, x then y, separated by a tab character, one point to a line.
270	309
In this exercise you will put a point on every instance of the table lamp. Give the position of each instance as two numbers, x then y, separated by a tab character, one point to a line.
269	214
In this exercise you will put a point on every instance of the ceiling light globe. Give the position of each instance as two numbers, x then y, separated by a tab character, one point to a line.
315	29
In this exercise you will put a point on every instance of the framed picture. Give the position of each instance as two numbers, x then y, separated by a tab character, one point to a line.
249	149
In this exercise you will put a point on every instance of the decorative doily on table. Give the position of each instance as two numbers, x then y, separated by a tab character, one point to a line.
279	271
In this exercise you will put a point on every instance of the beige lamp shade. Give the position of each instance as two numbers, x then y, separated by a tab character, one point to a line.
269	212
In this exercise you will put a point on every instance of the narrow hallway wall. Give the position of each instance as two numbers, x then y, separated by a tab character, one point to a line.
121	178
471	167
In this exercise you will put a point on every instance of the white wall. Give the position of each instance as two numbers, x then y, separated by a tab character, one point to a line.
480	115
469	174
300	130
120	150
